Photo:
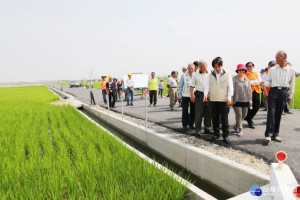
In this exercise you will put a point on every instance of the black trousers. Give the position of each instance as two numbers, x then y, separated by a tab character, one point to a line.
220	109
188	119
287	106
112	99
202	110
276	103
153	94
160	92
255	107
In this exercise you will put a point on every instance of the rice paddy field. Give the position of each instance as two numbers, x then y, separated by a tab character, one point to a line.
297	94
53	152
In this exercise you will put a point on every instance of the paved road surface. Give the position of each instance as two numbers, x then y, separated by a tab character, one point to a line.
252	141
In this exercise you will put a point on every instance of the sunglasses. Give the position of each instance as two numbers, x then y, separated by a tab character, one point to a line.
249	66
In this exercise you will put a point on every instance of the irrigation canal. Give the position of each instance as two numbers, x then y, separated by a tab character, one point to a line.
213	190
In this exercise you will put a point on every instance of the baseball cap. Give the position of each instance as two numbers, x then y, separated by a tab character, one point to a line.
272	62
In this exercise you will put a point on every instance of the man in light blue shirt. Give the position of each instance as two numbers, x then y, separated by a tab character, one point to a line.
188	119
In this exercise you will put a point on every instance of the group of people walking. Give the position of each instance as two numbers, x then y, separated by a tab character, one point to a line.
208	96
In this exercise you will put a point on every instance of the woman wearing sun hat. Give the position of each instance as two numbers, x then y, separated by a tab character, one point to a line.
242	97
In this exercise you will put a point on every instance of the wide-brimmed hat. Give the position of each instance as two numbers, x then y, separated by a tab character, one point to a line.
239	67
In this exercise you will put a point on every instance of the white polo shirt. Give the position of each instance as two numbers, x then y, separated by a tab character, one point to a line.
172	82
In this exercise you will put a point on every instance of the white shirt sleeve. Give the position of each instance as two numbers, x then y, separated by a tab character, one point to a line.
268	82
168	81
230	88
206	89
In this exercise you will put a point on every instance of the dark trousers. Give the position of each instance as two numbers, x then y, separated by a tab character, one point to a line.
276	103
160	92
188	119
153	94
112	99
104	96
220	109
92	98
287	106
202	110
262	101
255	107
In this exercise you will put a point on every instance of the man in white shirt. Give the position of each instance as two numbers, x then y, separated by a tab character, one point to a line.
172	85
188	118
130	89
202	109
281	79
220	88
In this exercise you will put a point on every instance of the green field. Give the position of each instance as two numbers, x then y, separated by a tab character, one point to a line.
297	94
53	152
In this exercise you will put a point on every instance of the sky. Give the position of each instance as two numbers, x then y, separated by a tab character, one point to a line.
71	39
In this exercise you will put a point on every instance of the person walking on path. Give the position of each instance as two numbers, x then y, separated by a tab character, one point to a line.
202	109
188	118
184	69
172	86
242	97
286	109
262	98
255	81
115	89
220	88
119	85
130	89
266	90
153	86
110	86
281	79
161	88
103	88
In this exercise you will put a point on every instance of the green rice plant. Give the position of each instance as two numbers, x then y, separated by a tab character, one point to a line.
297	94
53	152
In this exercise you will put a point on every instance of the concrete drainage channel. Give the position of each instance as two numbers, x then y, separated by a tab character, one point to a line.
213	190
229	176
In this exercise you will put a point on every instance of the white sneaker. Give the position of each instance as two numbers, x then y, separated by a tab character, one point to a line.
276	139
268	139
